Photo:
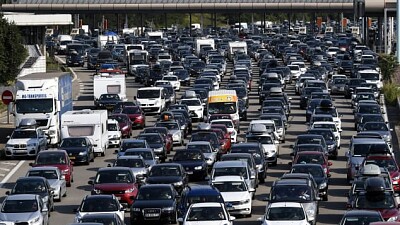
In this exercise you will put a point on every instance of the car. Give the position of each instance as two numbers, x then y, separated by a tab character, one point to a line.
207	212
351	85
267	144
34	185
296	190
114	133
211	137
193	161
197	194
337	86
136	163
24	209
99	204
236	194
79	149
360	217
229	125
155	202
168	173
164	132
388	162
313	157
284	213
131	143
107	101
379	127
319	175
54	177
155	142
59	159
329	125
210	154
330	140
369	118
309	139
124	122
383	202
101	219
147	153
119	181
174	129
174	81
136	115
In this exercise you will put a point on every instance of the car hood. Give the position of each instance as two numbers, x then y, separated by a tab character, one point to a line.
163	180
235	196
153	203
21	141
18	216
74	149
172	132
287	222
53	182
189	164
357	160
155	145
111	187
269	147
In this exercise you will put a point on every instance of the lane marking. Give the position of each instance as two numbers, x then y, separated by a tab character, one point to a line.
11	173
2	174
4	169
9	163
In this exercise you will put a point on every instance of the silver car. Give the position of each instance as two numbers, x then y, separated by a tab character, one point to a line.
210	154
136	163
24	209
147	153
54	177
174	129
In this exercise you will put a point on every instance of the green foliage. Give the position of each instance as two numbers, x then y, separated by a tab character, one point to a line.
391	91
12	52
388	65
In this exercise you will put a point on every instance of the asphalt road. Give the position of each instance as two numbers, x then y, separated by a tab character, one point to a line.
330	211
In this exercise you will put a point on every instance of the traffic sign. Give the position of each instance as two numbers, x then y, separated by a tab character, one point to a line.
7	97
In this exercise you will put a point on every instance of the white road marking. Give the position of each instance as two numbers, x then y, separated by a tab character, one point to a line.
9	163
4	169
11	173
2	174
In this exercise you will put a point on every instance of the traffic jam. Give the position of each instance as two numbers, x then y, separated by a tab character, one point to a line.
211	120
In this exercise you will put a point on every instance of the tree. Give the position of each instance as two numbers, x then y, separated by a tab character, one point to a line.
12	52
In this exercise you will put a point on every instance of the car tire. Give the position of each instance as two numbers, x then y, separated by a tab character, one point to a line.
325	198
59	199
175	220
65	194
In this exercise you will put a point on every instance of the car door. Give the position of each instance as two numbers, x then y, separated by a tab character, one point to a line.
44	211
63	183
50	192
41	138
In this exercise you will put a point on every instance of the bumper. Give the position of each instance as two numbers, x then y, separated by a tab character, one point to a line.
20	152
242	209
149	109
78	158
114	141
163	217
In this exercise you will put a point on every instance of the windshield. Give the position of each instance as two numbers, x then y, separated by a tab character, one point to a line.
112	127
165	171
206	214
315	171
48	174
363	149
262	139
371	109
51	158
205	137
34	105
340	81
99	205
361	220
327	134
291	193
137	144
169	126
73	142
191	102
148	93
331	126
375	201
227	123
230	171
132	163
310	158
22	134
151	139
19	206
131	110
230	186
202	148
326	111
113	176
29	187
369	76
188	156
154	194
222	108
146	155
285	213
375	126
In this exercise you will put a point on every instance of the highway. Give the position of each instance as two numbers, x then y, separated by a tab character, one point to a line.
330	211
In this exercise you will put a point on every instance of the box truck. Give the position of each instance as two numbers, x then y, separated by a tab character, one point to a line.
43	97
236	46
87	123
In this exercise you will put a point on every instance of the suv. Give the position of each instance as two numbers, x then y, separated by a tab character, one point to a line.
26	140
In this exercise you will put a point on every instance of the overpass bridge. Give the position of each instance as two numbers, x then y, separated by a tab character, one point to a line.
372	7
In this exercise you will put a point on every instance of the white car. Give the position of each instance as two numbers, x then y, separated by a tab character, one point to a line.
295	71
282	213
196	108
331	125
174	81
210	213
302	65
235	193
54	177
269	144
114	133
229	125
99	204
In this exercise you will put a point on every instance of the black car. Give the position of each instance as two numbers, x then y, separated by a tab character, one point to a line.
193	161
242	110
361	217
79	149
369	118
183	76
168	173
351	85
346	67
196	68
306	95
92	58
365	108
103	218
156	142
34	185
208	136
75	59
155	202
309	139
330	140
107	101
320	177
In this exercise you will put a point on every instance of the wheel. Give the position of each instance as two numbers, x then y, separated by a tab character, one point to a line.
59	199
175	220
325	198
69	184
103	153
274	163
65	194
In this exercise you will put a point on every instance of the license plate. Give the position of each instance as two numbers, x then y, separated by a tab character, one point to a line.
151	215
72	157
20	151
189	172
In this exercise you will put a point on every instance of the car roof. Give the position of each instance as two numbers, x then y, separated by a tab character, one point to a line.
22	197
31	178
227	178
235	163
291	182
198	143
362	213
195	190
285	204
40	168
207	204
115	168
139	150
130	157
98	196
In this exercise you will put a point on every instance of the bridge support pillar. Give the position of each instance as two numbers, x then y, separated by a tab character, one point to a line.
264	23
141	24
165	20
190	24
379	30
118	23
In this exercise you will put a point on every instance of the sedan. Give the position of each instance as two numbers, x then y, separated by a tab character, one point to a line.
24	209
156	142
360	217
94	204
193	161
54	177
136	115
107	101
174	129
124	122
79	149
285	213
136	163
168	173
207	212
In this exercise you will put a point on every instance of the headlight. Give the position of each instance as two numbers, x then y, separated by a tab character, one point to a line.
322	185
66	171
331	146
310	214
180	183
168	209
125	127
83	153
198	167
97	191
393	218
35	220
130	190
136	209
245	201
9	146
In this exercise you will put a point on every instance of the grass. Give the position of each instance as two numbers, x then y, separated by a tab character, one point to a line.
52	65
391	91
2	107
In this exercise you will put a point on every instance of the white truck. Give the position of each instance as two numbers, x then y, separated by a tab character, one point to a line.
200	43
236	46
155	35
105	83
137	58
43	97
102	40
87	123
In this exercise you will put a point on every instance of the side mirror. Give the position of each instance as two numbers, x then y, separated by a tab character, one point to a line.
232	218
31	164
290	163
8	192
90	182
329	175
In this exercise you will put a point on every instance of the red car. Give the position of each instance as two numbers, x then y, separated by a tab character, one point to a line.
223	141
169	143
136	115
56	158
389	162
124	123
119	181
313	157
226	142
